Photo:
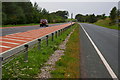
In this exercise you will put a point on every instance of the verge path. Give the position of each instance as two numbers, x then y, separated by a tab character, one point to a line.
50	64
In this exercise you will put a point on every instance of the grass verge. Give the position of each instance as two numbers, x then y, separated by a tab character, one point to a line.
105	23
69	65
17	68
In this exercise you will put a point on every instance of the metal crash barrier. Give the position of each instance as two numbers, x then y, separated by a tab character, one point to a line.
25	46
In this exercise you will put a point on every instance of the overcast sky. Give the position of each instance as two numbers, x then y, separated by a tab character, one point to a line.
74	0
78	6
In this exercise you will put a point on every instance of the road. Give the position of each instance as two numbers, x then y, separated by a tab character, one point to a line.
13	43
12	30
106	41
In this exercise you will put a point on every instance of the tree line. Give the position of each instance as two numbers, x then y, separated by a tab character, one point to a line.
91	18
26	12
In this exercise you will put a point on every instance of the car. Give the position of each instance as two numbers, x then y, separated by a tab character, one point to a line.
43	22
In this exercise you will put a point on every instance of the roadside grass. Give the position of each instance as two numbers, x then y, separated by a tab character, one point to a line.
105	23
17	68
69	65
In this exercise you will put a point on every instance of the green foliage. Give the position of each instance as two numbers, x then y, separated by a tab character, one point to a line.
74	20
113	15
118	13
68	66
58	16
92	18
80	17
101	16
55	18
63	14
106	23
4	18
26	13
86	18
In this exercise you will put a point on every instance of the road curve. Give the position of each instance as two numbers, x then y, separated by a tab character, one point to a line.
107	42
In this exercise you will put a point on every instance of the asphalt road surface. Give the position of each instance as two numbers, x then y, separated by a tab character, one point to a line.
13	30
106	41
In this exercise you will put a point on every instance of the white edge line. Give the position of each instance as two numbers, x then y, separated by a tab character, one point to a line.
111	72
18	37
5	46
28	42
9	42
14	39
19	46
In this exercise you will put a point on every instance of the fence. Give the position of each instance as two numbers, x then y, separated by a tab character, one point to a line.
25	47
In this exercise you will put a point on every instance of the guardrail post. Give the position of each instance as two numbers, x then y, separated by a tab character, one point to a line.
52	36
61	31
39	44
26	53
47	40
1	59
65	28
56	34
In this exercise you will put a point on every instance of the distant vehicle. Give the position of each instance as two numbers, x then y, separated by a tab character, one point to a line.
43	22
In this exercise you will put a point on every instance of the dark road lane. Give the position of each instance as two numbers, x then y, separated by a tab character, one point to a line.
13	30
107	42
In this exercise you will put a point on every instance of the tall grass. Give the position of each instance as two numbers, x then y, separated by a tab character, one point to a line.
69	65
106	23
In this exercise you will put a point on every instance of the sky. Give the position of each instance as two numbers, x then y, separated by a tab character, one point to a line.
78	6
74	0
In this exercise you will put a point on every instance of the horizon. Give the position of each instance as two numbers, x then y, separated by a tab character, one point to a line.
84	8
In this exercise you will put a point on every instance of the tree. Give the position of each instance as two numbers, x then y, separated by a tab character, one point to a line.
4	16
103	16
27	8
25	13
44	11
13	12
36	13
92	18
21	19
80	18
63	14
86	18
113	15
118	13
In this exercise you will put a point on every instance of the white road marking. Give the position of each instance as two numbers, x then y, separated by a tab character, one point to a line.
18	37
111	72
5	46
15	39
9	42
